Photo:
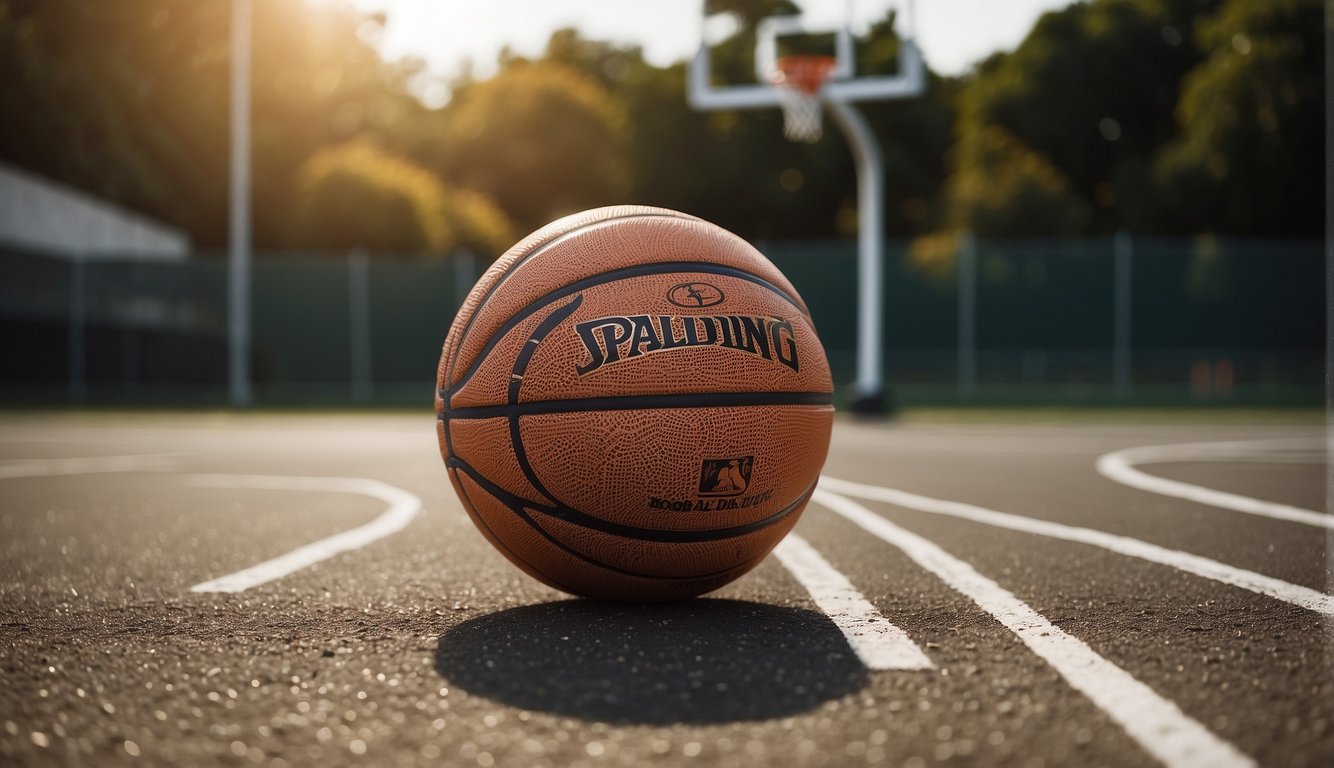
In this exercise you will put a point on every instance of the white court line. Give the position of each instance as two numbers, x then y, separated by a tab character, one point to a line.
1303	597
878	643
87	465
1156	724
1120	466
403	506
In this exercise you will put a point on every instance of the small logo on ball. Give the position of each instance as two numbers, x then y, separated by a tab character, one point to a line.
695	295
725	477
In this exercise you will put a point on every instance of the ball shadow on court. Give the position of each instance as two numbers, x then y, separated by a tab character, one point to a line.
698	661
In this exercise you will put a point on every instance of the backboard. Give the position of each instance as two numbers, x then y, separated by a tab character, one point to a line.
845	84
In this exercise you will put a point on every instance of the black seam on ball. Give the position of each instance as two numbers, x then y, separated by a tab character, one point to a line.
639	270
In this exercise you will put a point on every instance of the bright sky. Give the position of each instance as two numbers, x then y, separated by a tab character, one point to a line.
953	34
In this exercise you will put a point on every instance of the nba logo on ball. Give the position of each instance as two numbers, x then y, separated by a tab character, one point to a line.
725	477
633	404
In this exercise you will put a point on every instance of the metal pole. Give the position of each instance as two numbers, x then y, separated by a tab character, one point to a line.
1329	274
967	266
359	317
238	271
129	338
870	389
1122	249
78	330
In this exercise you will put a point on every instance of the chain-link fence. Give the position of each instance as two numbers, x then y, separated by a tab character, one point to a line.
1094	320
326	328
1097	321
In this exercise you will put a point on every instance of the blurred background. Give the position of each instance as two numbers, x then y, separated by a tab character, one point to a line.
1121	203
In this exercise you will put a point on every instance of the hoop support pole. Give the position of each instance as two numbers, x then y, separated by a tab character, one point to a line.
869	387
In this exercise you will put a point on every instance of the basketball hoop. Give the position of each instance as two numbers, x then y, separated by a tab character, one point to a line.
798	85
799	79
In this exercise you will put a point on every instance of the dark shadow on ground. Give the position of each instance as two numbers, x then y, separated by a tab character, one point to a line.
699	661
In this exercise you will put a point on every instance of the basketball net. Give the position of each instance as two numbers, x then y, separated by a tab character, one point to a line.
799	79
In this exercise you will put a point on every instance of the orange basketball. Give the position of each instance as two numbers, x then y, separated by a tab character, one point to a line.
633	405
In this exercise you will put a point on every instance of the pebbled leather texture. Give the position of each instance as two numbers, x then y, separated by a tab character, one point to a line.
634	405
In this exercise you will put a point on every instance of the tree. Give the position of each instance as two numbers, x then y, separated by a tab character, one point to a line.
1008	188
1090	91
91	98
478	223
541	139
1251	125
357	195
129	100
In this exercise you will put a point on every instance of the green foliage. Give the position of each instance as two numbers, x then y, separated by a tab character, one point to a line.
1091	90
1252	124
129	100
89	99
477	223
357	196
541	139
1162	116
1004	188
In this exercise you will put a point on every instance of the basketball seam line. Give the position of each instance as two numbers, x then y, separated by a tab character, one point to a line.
525	356
478	518
639	270
498	493
632	402
533	250
575	517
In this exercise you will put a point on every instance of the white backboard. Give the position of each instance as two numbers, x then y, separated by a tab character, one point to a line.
845	84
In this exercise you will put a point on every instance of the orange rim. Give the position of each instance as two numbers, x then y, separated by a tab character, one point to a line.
805	72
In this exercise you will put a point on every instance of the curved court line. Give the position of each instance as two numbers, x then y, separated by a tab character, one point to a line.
1120	467
1288	592
880	644
403	506
1155	723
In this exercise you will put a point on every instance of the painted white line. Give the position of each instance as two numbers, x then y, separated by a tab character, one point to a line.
1156	724
403	506
1120	466
878	643
87	465
1303	597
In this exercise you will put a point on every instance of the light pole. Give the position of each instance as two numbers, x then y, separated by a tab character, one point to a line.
238	266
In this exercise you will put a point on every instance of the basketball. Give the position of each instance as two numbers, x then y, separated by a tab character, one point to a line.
633	405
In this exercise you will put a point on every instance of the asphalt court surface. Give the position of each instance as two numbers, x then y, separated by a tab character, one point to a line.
1064	616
